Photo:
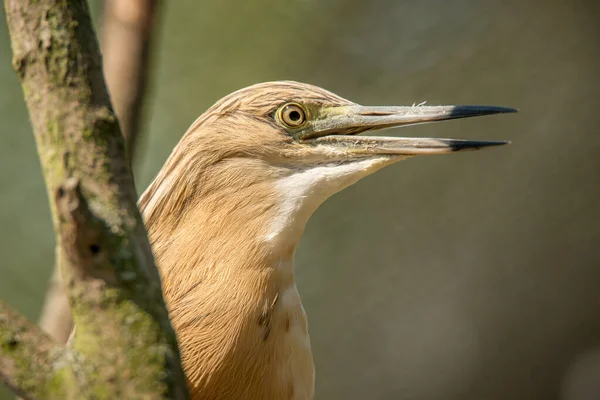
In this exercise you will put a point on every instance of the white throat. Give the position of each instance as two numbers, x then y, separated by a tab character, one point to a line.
303	190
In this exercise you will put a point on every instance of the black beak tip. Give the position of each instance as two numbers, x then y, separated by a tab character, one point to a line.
475	111
459	145
507	110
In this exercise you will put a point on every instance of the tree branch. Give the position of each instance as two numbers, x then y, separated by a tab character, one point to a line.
28	357
123	334
127	31
55	318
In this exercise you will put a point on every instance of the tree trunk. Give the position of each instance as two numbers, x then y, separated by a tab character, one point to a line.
127	30
124	345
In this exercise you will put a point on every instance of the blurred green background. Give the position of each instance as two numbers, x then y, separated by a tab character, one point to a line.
469	276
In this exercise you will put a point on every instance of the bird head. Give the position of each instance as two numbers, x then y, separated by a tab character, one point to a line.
289	146
299	125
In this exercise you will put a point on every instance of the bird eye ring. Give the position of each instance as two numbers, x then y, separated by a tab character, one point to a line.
292	115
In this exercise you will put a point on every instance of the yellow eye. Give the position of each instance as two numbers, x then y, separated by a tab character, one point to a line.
293	115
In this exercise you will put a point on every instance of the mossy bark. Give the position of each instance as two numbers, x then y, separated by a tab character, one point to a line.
124	344
127	31
31	364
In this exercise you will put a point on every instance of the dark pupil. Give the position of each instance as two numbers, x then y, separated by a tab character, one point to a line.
294	116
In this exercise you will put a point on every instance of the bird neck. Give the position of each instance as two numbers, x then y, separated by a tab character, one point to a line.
224	230
226	264
232	224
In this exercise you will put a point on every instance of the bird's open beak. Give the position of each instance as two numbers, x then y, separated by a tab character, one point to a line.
338	126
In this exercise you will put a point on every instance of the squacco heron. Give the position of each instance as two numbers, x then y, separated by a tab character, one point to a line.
226	212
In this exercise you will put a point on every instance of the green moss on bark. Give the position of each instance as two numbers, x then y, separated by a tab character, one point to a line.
124	346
